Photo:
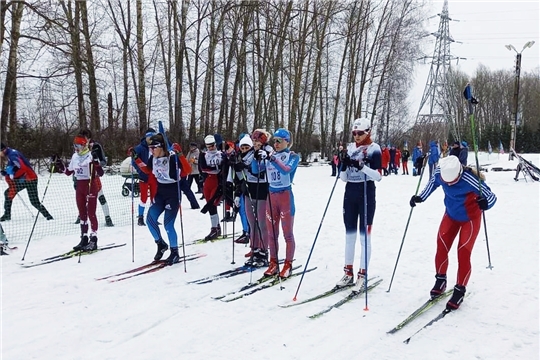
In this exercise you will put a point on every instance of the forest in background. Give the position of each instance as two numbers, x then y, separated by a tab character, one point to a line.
119	66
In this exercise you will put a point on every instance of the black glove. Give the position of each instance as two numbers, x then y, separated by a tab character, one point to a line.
59	166
482	202
357	164
345	159
95	154
415	199
239	166
3	173
261	154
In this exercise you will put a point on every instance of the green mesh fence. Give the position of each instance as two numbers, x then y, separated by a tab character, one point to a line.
60	203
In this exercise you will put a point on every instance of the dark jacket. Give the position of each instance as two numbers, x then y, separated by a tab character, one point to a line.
142	153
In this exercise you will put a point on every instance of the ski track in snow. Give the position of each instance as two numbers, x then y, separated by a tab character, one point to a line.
59	310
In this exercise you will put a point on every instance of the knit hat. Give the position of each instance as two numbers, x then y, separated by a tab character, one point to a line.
246	140
451	169
209	139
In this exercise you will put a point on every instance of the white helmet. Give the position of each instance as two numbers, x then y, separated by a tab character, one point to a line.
450	169
362	124
209	139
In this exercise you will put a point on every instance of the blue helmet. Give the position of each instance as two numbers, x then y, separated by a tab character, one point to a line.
284	134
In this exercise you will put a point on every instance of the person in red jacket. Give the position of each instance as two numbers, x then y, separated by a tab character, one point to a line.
385	160
397	159
19	175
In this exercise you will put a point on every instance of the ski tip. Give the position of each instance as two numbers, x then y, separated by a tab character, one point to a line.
406	341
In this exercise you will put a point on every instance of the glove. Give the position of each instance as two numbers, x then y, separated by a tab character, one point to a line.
237	202
482	202
10	170
3	173
177	148
239	166
172	153
345	159
261	154
415	199
132	153
357	164
95	154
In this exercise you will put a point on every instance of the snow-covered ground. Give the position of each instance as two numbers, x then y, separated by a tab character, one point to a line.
59	311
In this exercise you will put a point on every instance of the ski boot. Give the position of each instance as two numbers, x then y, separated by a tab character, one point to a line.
5	217
228	217
360	280
457	298
243	239
161	248
439	287
173	257
286	271
82	244
108	221
140	220
78	221
215	232
92	244
272	268
348	277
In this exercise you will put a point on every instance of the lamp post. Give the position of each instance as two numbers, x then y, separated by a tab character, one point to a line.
516	96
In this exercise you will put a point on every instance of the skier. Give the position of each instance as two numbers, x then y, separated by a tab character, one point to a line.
464	203
280	167
87	166
254	194
405	160
19	175
211	162
434	155
142	153
163	166
193	159
98	153
418	157
361	162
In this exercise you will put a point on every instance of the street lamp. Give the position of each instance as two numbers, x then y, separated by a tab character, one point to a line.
516	95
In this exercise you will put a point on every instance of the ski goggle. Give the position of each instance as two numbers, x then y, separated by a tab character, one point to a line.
245	147
278	140
78	146
210	145
154	146
358	132
149	134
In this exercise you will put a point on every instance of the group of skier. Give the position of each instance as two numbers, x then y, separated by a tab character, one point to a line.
254	178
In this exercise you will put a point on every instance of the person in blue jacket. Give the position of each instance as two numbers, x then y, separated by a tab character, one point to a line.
434	156
418	159
466	197
142	153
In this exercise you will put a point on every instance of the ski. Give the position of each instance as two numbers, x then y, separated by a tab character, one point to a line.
261	280
431	322
352	295
151	268
145	266
323	295
70	255
422	309
272	281
226	274
203	241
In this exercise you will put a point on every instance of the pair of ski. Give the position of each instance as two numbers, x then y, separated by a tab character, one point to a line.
262	283
353	294
146	269
203	241
421	310
226	274
68	255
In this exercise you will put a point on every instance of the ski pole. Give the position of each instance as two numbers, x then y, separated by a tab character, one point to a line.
366	308
472	101
37	216
318	231
132	217
407	226
25	205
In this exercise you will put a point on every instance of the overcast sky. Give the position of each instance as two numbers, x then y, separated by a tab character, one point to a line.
481	30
